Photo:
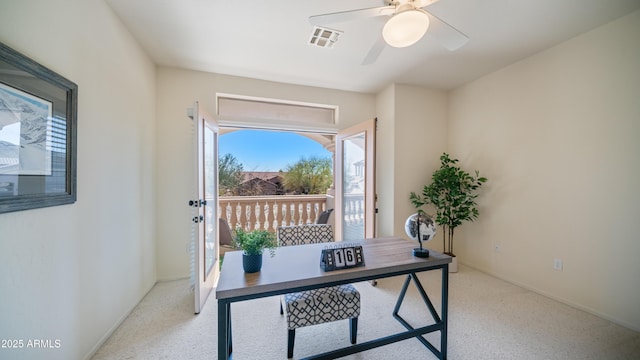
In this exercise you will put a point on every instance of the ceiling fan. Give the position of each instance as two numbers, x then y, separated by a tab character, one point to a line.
408	22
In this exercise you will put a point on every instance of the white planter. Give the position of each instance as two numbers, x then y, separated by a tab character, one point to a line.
453	266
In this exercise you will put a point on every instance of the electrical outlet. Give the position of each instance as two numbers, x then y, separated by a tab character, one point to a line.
557	264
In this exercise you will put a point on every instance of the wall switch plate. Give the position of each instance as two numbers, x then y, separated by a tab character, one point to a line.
557	264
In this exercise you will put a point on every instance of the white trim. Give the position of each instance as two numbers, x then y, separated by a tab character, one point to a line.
274	123
275	101
278	126
119	322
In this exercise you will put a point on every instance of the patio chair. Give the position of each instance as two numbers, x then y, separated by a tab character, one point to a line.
323	218
226	237
317	306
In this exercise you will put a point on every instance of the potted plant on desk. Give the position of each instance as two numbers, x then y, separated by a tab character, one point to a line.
253	243
452	193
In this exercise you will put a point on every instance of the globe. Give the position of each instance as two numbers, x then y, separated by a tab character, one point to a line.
427	227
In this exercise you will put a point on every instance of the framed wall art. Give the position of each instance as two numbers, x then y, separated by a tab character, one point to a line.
38	119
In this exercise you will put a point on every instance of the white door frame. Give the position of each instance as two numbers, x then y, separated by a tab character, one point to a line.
207	244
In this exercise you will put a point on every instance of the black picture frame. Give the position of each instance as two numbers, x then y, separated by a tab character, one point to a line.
38	134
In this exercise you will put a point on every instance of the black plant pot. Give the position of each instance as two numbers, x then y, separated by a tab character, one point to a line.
251	263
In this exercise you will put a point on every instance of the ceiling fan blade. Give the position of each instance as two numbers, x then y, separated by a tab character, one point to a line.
450	37
375	51
351	15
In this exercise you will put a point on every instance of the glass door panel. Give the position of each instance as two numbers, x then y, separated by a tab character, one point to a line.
355	182
210	195
353	186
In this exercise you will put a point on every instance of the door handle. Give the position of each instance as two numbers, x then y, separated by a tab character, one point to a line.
198	219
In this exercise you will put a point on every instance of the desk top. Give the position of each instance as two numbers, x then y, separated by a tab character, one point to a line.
296	268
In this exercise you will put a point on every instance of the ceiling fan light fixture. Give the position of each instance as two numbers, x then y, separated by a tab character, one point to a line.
405	28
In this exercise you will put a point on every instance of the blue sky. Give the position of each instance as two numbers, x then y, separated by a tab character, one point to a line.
259	150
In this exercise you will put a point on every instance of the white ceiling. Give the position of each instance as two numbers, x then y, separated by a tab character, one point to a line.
269	40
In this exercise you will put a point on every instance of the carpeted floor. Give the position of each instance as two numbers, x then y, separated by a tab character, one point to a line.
488	319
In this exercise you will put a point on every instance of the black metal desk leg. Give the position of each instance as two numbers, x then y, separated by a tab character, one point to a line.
439	324
224	330
445	311
403	292
229	337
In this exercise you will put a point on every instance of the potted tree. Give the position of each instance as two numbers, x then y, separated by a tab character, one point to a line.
253	243
452	194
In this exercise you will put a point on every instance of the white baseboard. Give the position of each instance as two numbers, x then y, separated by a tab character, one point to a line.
117	324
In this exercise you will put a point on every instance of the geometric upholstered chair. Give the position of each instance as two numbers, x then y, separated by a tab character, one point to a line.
322	305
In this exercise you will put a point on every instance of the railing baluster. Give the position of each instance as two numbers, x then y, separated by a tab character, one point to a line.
274	221
259	215
265	215
304	213
307	209
314	212
291	208
240	216
285	214
246	210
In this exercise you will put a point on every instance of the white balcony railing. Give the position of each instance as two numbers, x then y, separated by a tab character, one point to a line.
269	212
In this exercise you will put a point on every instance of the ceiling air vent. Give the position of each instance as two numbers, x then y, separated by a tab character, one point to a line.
324	37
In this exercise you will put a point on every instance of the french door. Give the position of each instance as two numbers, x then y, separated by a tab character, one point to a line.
355	182
206	247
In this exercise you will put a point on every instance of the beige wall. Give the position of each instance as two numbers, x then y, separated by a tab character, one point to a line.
411	137
557	134
177	90
73	272
421	136
385	160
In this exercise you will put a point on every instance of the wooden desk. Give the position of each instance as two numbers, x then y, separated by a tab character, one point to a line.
297	268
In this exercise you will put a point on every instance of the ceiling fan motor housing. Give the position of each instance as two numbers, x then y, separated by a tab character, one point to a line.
413	3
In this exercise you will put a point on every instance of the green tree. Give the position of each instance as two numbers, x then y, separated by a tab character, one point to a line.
308	176
229	174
